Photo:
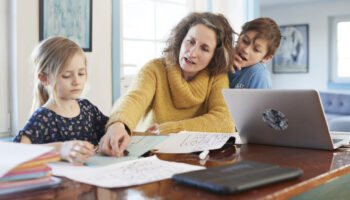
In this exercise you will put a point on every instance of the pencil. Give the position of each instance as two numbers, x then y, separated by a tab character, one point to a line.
139	133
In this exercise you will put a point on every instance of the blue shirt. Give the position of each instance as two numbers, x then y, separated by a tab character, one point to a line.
45	126
255	76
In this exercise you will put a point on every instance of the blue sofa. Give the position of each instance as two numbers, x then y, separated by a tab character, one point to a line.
336	106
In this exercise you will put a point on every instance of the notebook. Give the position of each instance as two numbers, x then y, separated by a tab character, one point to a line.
293	118
237	177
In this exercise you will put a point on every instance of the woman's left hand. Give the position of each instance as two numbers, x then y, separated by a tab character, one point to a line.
153	129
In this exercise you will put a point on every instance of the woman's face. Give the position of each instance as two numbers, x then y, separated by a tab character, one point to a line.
197	49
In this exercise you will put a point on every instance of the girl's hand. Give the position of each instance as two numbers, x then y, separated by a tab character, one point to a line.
115	141
76	151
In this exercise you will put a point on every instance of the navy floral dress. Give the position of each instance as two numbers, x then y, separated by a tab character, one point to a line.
45	126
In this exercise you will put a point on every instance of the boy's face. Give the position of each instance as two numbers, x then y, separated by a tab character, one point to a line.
249	52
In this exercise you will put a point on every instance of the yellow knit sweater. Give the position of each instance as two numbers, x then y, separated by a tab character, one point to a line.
160	95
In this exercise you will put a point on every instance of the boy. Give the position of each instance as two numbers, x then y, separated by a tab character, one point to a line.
257	44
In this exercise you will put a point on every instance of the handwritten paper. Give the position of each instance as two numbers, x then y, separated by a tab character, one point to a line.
187	142
13	154
135	172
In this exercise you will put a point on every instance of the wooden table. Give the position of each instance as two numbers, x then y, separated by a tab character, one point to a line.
319	167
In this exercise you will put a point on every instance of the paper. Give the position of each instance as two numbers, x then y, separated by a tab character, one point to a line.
138	145
187	142
135	172
102	160
14	154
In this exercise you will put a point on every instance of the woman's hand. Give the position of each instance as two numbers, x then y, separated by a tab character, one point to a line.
153	129
76	151
115	141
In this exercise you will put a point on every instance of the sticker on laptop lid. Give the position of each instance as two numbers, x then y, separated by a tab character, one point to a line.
275	119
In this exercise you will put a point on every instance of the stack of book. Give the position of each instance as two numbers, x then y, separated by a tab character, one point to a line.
31	174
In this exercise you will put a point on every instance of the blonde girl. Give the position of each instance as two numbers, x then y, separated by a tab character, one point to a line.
60	118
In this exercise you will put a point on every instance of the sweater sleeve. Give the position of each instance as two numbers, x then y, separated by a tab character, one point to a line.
217	119
131	107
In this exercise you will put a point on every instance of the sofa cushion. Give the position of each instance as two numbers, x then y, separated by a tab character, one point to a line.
340	124
335	103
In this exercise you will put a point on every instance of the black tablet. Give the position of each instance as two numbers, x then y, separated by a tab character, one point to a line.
237	177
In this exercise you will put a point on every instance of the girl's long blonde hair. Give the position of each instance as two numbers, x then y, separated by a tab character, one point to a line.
49	58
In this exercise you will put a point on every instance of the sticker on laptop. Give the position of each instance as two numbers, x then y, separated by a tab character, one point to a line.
275	119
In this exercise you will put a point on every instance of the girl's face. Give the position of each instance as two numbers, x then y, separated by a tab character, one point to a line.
197	49
71	80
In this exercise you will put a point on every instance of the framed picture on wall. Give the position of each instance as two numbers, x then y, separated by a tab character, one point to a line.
292	55
67	18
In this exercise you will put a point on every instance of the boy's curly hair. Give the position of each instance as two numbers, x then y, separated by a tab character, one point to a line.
267	29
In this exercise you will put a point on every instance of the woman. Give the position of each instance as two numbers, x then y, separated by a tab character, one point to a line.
182	90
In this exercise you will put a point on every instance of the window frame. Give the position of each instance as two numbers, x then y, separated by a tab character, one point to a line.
126	79
6	66
333	49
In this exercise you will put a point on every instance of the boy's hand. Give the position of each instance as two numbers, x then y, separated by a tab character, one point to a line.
235	66
76	151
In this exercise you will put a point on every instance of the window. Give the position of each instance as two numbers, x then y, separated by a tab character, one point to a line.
146	25
4	75
339	44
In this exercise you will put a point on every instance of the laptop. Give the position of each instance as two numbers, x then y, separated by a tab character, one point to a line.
292	118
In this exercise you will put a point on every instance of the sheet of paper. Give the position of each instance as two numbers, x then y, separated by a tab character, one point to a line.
13	154
187	142
135	172
101	160
138	145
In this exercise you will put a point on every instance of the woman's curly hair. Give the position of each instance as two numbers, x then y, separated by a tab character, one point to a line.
222	57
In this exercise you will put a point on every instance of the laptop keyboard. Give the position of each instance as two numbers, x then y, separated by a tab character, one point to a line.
336	140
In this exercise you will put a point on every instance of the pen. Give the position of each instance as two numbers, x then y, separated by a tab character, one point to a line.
203	154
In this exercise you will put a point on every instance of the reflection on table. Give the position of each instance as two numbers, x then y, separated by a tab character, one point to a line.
319	166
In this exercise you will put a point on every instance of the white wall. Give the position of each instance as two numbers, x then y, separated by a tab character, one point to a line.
99	60
233	10
315	14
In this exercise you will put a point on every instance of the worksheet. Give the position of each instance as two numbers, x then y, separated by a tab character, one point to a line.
128	173
137	146
188	142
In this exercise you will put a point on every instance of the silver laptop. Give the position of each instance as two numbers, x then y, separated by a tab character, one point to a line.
293	118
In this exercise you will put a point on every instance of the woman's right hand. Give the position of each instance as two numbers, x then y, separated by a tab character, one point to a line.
115	141
76	151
